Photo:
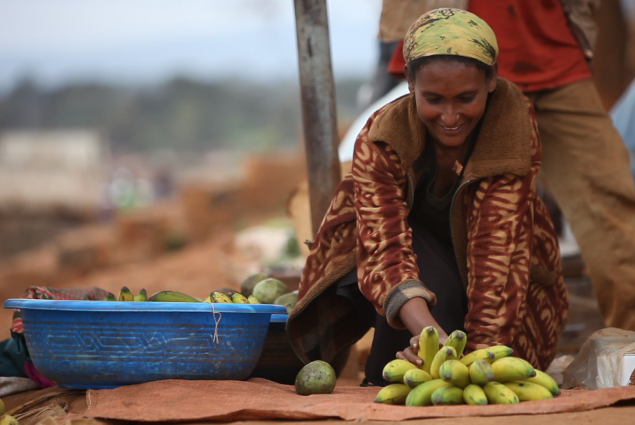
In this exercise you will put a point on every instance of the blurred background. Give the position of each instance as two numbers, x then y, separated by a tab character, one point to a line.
157	144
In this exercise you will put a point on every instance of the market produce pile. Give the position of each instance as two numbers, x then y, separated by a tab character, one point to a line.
256	289
485	376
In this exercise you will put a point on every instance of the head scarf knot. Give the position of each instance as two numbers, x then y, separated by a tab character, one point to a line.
448	31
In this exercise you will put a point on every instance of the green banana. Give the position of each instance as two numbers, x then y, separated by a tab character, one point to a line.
395	369
253	300
8	420
238	298
141	296
172	296
422	394
498	393
447	395
512	369
428	346
455	372
445	353
481	372
457	339
219	297
474	395
110	297
545	380
490	354
393	394
125	294
526	391
416	376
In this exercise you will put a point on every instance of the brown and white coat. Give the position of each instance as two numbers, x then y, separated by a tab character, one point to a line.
505	244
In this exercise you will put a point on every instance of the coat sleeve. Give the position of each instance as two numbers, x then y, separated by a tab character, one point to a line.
500	235
387	268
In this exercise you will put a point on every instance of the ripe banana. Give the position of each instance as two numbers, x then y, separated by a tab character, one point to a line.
428	346
545	380
526	391
416	376
238	298
8	420
490	354
141	296
457	339
512	369
445	353
219	297
110	297
172	296
393	394
125	294
481	372
455	372
253	300
422	394
498	393
474	395
447	395
395	369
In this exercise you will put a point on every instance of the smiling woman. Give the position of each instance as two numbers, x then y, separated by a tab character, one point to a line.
438	223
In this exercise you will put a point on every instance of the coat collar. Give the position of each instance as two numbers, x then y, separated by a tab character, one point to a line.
502	145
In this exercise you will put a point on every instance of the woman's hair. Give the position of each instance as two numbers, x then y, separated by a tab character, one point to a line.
417	64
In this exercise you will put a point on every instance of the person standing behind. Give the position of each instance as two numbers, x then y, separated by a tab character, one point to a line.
546	49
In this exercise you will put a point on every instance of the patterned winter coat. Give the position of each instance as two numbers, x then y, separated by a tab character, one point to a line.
504	242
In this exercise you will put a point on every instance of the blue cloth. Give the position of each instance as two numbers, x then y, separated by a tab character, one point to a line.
623	116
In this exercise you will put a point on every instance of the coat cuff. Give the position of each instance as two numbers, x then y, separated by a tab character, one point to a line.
400	294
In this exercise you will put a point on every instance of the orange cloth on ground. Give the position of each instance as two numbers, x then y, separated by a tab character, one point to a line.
537	48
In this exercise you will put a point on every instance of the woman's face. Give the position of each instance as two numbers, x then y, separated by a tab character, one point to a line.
451	98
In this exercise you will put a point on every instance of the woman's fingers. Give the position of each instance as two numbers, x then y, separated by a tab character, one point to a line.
410	355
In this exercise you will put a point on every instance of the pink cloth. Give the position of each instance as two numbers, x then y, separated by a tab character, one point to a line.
36	377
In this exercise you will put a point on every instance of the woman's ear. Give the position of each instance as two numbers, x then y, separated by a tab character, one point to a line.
492	81
411	83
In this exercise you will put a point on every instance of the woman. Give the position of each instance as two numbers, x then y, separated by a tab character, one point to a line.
438	222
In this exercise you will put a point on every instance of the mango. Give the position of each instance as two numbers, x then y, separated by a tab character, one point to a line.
247	285
317	377
268	290
288	300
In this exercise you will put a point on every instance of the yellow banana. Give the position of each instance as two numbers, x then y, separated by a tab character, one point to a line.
545	380
8	420
474	395
253	300
447	395
238	298
428	346
393	394
490	354
526	391
455	372
498	393
457	339
172	296
422	394
512	369
125	294
141	296
219	297
395	370
416	376
445	353
481	372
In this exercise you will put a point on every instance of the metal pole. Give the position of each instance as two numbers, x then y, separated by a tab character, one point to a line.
318	105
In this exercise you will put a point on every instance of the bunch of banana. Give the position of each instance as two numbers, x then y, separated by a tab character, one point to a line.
125	294
236	298
486	376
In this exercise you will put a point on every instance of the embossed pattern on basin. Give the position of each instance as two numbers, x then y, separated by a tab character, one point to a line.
105	344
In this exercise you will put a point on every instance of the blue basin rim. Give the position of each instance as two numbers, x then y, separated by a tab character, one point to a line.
279	318
130	306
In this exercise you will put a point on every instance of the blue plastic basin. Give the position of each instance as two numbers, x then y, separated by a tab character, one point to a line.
106	344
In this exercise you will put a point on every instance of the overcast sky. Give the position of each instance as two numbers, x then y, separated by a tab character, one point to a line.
57	41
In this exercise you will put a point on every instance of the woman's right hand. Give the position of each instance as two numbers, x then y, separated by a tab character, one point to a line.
411	353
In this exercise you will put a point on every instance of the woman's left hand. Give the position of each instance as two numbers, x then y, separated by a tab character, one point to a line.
410	353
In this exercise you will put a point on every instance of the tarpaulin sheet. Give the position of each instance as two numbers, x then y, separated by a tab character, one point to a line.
180	400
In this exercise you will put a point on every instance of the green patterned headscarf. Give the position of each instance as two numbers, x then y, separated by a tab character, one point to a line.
449	31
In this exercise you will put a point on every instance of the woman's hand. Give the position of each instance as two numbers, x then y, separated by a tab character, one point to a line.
415	314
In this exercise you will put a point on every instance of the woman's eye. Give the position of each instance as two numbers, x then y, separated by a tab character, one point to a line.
433	99
466	99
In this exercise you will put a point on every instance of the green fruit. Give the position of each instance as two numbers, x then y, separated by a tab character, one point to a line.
2	409
247	285
141	296
317	377
238	298
110	297
219	297
253	300
172	296
125	294
8	420
288	300
268	290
